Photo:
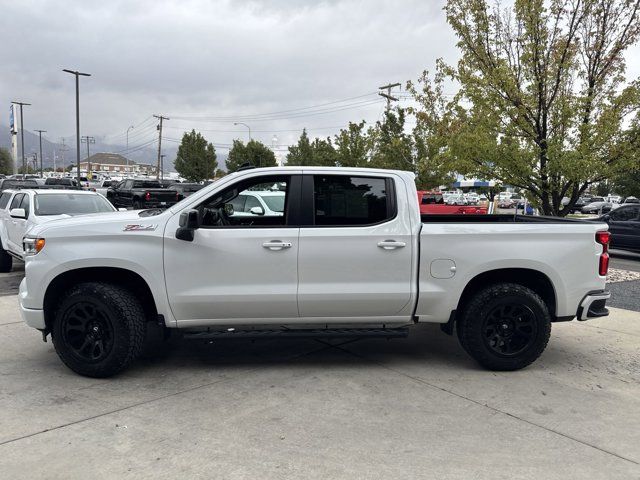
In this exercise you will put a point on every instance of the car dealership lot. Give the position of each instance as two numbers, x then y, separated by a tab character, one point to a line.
408	408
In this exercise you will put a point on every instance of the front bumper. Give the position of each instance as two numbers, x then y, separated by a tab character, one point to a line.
593	305
32	317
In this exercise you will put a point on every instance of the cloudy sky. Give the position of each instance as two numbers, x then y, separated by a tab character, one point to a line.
206	64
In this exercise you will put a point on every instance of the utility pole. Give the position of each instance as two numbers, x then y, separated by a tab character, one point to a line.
88	140
63	150
21	104
77	75
388	94
130	128
40	132
161	118
162	166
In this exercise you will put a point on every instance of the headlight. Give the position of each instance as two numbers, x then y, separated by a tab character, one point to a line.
32	245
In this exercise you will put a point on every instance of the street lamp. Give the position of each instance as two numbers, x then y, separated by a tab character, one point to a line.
77	75
21	131
131	127
240	123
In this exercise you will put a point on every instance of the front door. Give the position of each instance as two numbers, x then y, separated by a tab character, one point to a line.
355	257
17	226
238	268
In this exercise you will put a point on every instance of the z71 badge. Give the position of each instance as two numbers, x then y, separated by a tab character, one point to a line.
139	228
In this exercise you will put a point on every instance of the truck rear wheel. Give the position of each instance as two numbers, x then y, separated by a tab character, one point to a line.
505	327
6	261
99	329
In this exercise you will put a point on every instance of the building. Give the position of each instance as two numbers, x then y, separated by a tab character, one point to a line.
112	163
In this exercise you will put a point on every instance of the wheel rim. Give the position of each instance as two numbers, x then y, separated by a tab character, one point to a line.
88	331
509	329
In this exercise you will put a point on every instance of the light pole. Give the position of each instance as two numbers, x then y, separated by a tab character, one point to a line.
77	75
21	132
40	132
131	127
240	123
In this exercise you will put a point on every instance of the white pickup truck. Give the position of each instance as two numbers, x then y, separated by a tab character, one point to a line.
351	256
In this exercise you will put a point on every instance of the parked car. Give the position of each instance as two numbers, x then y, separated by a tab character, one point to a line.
624	225
261	203
104	186
457	199
7	183
183	190
141	194
22	209
433	203
65	182
598	207
349	256
630	200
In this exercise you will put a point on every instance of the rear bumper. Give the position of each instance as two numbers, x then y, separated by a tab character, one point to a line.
593	305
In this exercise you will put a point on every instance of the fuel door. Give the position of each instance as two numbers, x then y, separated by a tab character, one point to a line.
443	268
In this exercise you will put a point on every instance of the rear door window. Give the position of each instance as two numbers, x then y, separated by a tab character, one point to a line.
341	200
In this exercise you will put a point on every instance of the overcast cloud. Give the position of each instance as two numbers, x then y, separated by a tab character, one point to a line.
216	58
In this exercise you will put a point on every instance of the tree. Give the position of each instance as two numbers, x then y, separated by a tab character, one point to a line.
306	153
254	153
196	159
353	146
543	103
6	163
392	147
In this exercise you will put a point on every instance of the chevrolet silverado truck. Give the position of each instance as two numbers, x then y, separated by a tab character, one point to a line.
140	194
350	255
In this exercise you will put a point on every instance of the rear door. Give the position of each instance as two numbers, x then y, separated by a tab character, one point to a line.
355	249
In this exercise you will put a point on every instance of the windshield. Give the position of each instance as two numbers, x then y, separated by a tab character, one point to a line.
275	203
71	204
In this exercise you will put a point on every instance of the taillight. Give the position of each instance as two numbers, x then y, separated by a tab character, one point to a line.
603	239
147	196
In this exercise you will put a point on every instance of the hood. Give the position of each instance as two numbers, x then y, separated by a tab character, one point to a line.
124	218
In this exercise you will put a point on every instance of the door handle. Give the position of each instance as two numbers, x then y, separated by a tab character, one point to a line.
276	245
391	244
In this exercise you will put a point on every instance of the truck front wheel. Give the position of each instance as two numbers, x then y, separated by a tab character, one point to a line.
99	329
505	326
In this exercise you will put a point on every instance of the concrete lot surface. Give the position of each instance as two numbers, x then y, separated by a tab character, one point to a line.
400	409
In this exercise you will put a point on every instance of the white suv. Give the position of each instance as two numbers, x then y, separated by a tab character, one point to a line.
22	209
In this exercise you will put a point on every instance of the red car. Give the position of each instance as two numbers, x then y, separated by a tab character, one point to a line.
433	203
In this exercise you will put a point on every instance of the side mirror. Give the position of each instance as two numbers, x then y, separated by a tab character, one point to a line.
606	217
189	222
18	213
257	211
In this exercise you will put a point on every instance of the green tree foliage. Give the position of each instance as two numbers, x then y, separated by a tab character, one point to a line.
254	153
6	163
543	103
353	146
196	159
306	153
392	147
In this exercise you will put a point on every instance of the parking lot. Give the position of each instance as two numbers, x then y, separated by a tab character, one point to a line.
408	408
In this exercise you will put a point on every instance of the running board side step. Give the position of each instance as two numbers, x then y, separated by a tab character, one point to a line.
254	334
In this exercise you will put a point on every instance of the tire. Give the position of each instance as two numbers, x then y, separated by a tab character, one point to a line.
505	327
99	329
137	205
6	261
